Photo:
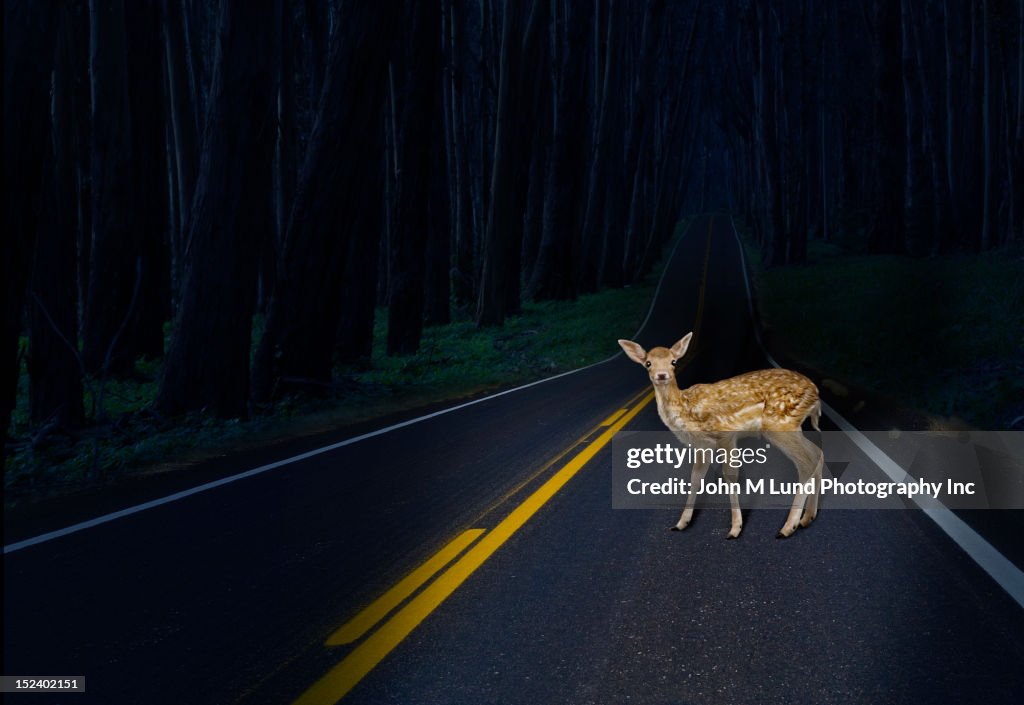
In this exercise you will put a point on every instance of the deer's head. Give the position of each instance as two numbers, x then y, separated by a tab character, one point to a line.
659	362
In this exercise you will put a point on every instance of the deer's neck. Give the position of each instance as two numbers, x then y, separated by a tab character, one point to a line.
671	405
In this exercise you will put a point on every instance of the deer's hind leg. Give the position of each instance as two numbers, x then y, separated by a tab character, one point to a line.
817	458
795	447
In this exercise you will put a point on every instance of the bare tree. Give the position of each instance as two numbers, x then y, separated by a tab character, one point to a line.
28	55
303	313
416	82
115	246
208	361
55	376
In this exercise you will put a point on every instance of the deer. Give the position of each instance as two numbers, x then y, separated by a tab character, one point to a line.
772	403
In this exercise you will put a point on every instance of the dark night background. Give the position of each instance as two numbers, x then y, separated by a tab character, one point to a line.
224	198
199	163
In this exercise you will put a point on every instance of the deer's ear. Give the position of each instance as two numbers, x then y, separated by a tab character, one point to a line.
634	351
679	349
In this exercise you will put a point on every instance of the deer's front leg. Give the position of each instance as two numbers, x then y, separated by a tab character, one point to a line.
696	475
732	476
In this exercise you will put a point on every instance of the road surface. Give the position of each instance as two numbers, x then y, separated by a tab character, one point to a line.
474	557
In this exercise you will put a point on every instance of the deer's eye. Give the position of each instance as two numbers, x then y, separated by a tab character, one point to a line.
674	363
647	364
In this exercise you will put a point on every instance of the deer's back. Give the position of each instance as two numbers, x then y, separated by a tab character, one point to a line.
767	400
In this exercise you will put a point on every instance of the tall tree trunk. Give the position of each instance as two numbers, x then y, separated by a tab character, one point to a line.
1016	139
286	161
437	291
773	229
987	237
556	272
638	141
680	131
951	126
675	128
533	218
359	300
885	228
55	379
499	289
592	233
416	68
502	214
148	117
317	25
184	127
931	143
971	172
1019	130
82	95
199	44
208	361
303	313
114	276
800	167
462	279
28	55
528	90
916	210
613	226
443	197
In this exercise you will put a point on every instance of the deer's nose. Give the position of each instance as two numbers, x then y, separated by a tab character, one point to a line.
662	376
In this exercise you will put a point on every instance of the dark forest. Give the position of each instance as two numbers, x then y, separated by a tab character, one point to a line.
319	340
194	165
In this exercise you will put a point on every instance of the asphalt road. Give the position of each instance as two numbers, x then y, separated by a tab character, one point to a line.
229	595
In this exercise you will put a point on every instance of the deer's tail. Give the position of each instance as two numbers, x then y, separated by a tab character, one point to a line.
816	414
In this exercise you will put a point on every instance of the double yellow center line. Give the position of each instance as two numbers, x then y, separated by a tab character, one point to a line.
481	545
364	657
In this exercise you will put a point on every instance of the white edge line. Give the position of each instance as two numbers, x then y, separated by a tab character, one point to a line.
135	509
999	567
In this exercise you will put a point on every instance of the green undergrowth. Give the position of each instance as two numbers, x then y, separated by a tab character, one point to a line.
546	338
940	334
455	361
